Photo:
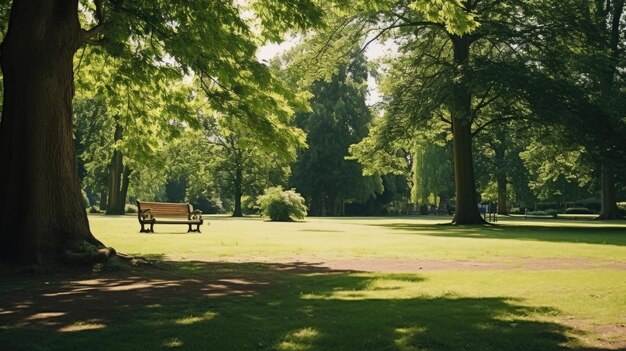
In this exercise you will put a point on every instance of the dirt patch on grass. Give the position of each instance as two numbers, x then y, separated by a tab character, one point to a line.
398	265
600	337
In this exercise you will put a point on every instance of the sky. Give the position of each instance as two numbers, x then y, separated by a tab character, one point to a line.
374	51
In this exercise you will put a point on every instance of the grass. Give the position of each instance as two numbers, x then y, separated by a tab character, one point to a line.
238	286
349	238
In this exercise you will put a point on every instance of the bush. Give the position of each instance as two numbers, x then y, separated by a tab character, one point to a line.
93	209
578	210
208	205
249	205
551	212
130	208
536	213
519	210
281	205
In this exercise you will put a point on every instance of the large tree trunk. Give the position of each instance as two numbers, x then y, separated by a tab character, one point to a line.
609	209
238	192
103	200
466	201
117	200
41	210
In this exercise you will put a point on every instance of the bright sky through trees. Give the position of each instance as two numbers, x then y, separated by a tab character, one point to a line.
376	50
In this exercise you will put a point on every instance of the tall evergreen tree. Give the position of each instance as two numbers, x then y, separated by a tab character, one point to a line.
339	118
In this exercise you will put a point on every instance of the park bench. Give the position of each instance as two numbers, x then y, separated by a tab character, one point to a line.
151	213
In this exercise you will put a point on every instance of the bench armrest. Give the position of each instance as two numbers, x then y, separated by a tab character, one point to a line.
195	215
146	215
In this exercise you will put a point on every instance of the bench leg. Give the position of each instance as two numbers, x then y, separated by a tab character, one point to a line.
151	228
192	230
143	229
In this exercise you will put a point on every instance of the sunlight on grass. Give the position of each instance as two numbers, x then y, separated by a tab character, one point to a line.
252	239
405	337
299	340
81	326
602	291
196	319
246	284
172	343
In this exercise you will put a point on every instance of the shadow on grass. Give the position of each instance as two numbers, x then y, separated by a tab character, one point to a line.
593	234
255	306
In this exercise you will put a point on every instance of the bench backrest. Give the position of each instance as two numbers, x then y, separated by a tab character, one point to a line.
165	209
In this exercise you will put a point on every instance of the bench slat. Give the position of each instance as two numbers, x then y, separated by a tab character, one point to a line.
165	209
169	211
177	222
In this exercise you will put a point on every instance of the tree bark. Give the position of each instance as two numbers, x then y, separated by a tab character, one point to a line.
238	192
466	201
502	202
41	210
608	199
117	200
442	208
103	200
316	206
500	152
125	184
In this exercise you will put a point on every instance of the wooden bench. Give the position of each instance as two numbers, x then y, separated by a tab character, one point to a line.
168	213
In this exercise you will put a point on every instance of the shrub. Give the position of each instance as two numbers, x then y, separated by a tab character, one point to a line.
578	210
249	205
282	205
130	208
551	212
519	210
536	213
207	204
93	209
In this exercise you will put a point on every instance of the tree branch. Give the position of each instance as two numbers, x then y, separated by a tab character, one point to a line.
495	120
89	34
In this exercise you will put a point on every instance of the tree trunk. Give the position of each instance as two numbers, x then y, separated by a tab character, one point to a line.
331	206
316	206
609	209
103	200
41	210
238	192
608	199
466	201
124	189
502	202
442	209
116	202
500	152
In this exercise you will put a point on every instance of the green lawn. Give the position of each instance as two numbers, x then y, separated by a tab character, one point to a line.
247	284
